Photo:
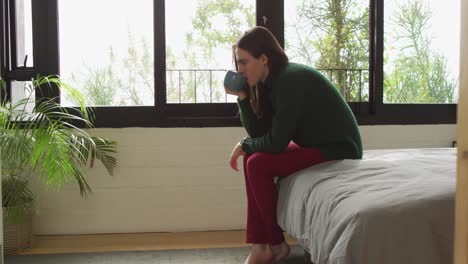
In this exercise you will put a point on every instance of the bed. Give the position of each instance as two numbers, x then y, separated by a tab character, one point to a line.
393	206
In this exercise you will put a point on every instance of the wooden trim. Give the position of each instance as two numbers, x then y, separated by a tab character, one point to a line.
58	244
461	203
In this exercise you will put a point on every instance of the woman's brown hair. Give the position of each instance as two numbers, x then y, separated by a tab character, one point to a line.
257	41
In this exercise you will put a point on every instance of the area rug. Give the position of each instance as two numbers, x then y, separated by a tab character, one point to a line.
192	256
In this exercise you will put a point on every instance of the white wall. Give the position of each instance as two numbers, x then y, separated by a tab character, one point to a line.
178	179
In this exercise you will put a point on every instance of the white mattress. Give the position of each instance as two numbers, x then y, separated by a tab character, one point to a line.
393	206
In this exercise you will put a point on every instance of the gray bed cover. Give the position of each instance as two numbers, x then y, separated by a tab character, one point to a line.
393	206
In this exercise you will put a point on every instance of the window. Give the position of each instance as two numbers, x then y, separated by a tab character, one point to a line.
109	54
421	51
23	91
199	39
23	22
333	37
152	63
117	68
17	58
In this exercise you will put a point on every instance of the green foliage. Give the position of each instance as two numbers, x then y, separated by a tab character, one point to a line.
328	34
122	81
172	78
338	32
206	37
138	68
133	73
419	74
17	198
99	86
47	143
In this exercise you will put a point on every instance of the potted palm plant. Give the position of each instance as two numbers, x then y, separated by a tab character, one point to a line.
47	141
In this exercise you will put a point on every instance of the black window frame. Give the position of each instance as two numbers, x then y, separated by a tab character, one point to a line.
46	62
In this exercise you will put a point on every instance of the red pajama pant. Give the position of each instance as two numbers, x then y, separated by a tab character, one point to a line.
260	169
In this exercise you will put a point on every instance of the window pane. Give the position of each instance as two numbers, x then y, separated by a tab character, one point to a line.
333	37
24	33
421	51
106	50
199	39
20	91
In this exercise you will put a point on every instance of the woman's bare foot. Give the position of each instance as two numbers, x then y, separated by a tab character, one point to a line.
260	254
280	251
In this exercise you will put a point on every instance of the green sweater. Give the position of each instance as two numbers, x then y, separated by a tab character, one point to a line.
308	110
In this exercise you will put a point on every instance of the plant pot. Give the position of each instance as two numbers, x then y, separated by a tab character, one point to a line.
18	232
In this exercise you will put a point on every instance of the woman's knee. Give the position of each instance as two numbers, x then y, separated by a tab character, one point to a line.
258	162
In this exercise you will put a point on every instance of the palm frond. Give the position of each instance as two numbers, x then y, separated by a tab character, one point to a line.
48	142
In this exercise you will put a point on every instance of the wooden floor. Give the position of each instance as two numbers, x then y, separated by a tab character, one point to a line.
138	242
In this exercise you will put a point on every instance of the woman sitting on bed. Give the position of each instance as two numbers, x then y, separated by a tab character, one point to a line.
295	118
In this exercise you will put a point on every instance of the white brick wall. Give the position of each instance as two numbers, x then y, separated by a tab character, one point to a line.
178	179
